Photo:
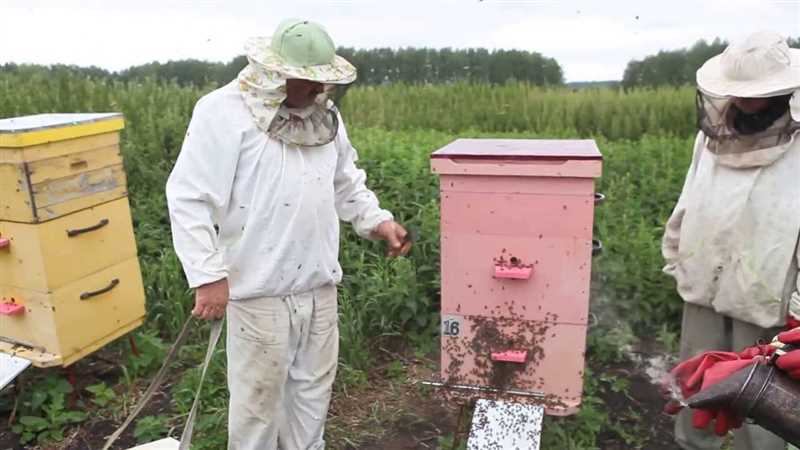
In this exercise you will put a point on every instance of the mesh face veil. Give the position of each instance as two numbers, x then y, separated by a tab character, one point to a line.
310	127
731	130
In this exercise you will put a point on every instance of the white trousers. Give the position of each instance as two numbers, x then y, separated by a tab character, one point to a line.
282	357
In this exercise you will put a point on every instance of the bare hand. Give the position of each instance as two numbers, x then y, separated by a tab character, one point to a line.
210	300
395	236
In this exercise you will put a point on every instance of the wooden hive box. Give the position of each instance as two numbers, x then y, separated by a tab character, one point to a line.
516	246
56	164
70	280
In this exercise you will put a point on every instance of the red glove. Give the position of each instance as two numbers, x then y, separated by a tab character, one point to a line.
689	374
791	322
789	362
707	369
724	420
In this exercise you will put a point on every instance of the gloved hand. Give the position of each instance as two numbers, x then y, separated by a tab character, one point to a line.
787	347
724	420
705	370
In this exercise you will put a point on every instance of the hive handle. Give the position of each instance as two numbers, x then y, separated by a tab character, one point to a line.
90	294
80	164
599	198
597	247
77	231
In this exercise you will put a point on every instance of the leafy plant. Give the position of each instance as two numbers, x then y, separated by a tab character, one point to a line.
396	370
152	350
45	414
102	395
609	344
668	338
150	428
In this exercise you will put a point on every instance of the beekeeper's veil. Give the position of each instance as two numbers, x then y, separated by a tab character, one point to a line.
761	66
298	49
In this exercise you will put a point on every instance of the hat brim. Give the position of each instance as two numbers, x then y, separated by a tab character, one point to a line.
339	71
712	81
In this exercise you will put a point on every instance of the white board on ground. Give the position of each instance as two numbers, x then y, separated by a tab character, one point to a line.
10	368
163	444
498	425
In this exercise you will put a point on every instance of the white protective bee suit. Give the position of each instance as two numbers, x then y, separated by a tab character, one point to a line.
732	240
275	182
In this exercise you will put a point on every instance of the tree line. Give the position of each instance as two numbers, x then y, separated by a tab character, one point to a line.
676	67
375	66
428	66
431	66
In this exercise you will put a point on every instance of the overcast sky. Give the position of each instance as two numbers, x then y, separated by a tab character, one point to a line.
592	40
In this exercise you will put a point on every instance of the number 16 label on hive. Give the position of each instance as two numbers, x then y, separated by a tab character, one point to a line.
452	325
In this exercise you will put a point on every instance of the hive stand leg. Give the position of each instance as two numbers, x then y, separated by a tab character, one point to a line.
134	348
73	381
17	391
462	424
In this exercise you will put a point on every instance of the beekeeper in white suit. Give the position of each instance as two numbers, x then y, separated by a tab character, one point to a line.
732	240
265	174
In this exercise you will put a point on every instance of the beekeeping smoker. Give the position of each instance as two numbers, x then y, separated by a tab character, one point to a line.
265	173
732	240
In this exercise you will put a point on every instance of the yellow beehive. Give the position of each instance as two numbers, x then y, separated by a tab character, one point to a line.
69	275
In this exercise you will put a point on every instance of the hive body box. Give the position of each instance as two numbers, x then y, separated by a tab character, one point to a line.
69	275
516	248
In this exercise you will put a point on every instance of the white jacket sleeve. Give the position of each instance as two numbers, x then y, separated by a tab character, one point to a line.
199	188
794	301
672	230
354	202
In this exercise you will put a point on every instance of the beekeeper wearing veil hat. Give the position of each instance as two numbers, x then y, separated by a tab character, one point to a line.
265	174
732	240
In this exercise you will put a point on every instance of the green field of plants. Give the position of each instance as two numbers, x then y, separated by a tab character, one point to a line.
645	137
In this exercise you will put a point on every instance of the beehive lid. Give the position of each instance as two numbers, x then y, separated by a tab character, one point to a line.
519	157
521	149
42	128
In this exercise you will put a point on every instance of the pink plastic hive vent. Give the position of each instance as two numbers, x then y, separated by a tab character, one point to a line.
11	309
513	272
514	356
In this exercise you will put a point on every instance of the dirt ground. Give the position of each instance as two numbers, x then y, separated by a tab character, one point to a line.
429	418
390	412
418	417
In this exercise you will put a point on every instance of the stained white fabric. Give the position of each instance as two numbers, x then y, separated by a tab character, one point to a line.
732	240
282	359
277	206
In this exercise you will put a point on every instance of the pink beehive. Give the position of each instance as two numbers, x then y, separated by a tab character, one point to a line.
516	249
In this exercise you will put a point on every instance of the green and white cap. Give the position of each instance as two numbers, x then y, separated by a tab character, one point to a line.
298	49
301	49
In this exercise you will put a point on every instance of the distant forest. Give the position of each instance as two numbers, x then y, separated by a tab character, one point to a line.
431	66
375	66
676	67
